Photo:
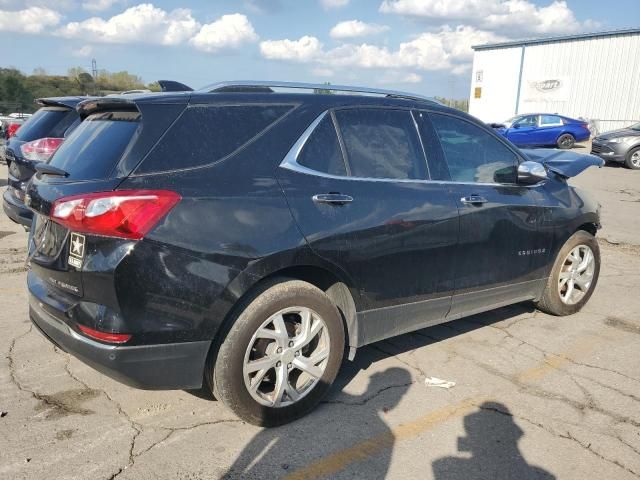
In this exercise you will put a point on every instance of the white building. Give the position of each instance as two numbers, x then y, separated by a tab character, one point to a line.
595	76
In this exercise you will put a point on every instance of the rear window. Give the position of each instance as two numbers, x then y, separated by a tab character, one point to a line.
47	122
205	134
96	145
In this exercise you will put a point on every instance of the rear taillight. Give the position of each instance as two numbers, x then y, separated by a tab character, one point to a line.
12	129
40	150
105	336
125	214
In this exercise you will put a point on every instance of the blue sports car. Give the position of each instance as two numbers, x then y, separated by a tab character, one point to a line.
544	129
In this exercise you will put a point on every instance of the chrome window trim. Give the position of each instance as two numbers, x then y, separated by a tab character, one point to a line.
424	152
290	162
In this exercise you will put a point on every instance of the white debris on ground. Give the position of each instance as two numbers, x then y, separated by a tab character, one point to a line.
437	382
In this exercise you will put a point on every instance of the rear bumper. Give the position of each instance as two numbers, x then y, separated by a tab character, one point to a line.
15	209
148	367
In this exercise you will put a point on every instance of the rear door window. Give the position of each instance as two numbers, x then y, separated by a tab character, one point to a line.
47	122
381	143
550	120
205	134
321	151
94	148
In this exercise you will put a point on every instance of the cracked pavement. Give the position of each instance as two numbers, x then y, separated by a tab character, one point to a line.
535	396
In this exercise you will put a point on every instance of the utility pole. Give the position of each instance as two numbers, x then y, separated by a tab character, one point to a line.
94	73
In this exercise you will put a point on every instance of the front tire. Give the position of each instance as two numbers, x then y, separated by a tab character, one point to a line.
574	276
566	141
281	355
632	159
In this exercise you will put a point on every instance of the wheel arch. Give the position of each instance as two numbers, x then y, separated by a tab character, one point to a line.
334	287
302	265
566	132
590	227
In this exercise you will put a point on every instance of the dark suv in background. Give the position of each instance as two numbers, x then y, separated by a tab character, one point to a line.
251	238
34	142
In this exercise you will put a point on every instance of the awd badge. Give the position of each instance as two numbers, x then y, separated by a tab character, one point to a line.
76	253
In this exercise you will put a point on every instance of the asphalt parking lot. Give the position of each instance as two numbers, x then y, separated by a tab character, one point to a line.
535	396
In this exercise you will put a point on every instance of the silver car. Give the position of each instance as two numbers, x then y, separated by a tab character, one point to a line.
619	146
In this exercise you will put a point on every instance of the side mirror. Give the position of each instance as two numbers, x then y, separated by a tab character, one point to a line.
515	125
530	173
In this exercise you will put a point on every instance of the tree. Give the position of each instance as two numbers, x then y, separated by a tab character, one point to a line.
454	103
324	91
13	92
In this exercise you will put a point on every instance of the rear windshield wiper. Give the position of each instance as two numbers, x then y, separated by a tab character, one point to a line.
46	169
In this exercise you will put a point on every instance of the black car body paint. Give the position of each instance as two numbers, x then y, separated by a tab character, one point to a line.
401	256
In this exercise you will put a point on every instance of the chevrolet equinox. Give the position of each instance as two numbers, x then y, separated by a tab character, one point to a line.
247	237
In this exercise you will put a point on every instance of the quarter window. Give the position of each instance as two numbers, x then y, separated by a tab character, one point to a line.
472	154
210	133
321	151
381	143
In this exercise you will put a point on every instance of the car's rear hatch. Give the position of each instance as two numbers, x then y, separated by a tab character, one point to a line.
53	120
111	140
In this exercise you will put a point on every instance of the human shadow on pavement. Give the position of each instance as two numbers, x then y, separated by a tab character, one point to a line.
492	440
322	440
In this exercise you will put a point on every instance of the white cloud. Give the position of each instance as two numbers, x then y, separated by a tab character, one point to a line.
306	49
322	72
143	23
515	16
396	77
28	20
356	28
99	5
522	15
229	31
334	3
84	51
445	49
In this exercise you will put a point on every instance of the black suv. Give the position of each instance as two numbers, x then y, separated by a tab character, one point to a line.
35	142
251	238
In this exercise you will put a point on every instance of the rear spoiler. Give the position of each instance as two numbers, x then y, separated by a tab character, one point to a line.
66	102
94	105
173	86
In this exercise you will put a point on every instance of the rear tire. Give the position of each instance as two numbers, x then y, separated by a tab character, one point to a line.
566	141
572	270
288	325
632	159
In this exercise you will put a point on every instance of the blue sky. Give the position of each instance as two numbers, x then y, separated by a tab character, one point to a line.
416	45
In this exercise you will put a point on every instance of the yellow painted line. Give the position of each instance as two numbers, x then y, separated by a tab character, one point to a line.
583	346
335	462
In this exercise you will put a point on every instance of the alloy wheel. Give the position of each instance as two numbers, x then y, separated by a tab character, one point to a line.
635	159
576	274
286	357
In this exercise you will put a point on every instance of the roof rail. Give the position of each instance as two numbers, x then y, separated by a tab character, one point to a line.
265	86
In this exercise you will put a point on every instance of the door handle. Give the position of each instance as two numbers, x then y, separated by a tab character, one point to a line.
473	200
332	198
